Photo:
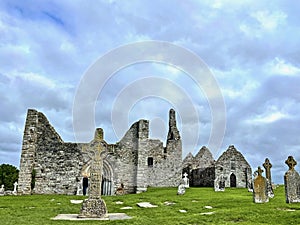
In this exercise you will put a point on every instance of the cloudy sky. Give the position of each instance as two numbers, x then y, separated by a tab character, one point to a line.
249	98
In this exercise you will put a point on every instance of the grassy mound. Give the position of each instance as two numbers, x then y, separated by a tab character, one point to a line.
199	206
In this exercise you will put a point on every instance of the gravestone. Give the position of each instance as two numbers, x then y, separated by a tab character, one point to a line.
219	183
2	190
267	165
260	194
15	188
94	206
292	182
181	189
186	180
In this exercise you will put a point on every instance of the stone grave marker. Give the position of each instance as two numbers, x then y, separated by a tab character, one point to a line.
186	180
15	188
2	190
181	189
94	206
219	183
260	194
267	165
292	182
146	205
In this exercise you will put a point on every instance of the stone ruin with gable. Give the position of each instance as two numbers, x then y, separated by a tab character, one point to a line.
231	169
49	165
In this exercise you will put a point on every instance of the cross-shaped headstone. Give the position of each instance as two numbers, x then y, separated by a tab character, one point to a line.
291	162
259	171
267	165
185	175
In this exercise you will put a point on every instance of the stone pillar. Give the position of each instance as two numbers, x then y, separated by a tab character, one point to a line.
28	152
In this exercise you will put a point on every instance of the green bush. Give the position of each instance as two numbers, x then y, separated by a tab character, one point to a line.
8	176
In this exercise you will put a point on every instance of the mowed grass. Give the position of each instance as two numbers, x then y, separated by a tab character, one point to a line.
234	206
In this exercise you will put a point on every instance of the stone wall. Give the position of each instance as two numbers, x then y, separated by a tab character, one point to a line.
200	169
56	164
234	168
135	162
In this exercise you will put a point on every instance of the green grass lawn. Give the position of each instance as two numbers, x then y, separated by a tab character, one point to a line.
234	206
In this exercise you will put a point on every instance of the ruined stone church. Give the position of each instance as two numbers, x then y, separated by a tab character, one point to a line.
49	165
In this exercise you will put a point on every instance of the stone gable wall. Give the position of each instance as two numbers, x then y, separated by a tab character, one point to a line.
233	162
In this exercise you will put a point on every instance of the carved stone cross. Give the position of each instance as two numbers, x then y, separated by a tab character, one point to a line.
185	175
291	162
267	165
259	171
94	206
96	171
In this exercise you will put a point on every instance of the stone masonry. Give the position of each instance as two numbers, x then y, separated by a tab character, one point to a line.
230	170
49	165
234	168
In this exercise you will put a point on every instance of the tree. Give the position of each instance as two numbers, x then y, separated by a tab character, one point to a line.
8	176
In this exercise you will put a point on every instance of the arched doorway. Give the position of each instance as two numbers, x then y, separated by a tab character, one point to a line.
107	187
107	179
232	180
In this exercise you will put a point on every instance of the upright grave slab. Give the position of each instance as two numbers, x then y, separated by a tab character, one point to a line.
292	182
260	194
267	165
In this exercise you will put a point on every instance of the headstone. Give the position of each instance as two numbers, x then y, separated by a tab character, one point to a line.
181	189
94	206
260	194
186	180
219	184
2	190
250	185
292	182
267	165
15	188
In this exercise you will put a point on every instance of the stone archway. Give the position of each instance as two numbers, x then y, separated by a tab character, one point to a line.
107	187
232	180
107	184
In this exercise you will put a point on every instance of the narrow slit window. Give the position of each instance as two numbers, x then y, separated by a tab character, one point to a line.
150	162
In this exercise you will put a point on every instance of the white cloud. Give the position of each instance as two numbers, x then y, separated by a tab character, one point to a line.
266	22
270	118
269	20
281	67
35	79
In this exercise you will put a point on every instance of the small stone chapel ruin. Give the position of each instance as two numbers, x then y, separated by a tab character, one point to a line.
230	170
